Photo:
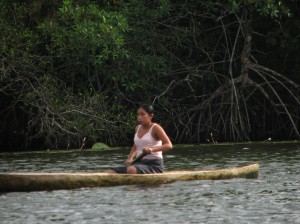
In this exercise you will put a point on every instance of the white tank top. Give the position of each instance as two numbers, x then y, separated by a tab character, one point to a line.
147	141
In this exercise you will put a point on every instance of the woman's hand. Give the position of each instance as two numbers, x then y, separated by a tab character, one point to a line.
147	150
128	162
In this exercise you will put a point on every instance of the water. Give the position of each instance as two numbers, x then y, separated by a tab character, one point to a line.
272	198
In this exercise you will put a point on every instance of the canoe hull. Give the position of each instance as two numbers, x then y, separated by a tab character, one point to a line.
10	182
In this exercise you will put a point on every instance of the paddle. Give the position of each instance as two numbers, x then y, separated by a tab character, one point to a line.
137	159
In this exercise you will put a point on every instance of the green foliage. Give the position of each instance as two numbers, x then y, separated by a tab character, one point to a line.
273	8
87	37
78	68
145	63
100	146
17	40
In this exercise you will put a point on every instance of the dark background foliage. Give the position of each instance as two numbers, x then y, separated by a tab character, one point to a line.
214	70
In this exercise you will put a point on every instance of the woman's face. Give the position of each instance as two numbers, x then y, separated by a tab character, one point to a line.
143	117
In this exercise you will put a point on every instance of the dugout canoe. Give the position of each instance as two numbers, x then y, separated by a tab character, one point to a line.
11	182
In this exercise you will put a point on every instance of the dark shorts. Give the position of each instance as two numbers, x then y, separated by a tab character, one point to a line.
144	166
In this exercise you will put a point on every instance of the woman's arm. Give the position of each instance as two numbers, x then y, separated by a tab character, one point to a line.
131	155
159	133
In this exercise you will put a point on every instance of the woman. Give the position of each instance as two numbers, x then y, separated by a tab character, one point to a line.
149	138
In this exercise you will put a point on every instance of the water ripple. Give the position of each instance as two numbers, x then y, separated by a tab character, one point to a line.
272	198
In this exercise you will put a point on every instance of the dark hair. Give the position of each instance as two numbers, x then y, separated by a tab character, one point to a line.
148	108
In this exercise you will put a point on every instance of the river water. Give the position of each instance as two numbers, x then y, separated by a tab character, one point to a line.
272	198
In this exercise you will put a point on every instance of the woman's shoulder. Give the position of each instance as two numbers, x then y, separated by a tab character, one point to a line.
158	132
137	127
157	127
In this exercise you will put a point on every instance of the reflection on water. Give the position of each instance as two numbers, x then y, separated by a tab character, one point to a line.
272	198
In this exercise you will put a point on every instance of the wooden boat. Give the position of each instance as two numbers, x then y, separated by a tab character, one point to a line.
10	182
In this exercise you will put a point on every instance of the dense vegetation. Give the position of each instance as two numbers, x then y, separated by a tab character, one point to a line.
214	70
